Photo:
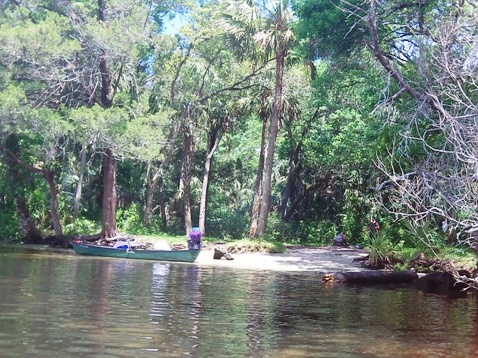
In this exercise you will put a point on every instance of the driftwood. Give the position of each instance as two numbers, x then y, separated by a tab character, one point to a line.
372	277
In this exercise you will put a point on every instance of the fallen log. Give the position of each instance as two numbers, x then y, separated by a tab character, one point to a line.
360	259
372	277
443	282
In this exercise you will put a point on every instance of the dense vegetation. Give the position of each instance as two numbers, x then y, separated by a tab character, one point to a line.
254	119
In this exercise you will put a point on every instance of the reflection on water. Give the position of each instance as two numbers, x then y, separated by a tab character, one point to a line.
61	305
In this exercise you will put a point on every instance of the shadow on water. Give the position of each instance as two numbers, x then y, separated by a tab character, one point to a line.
61	305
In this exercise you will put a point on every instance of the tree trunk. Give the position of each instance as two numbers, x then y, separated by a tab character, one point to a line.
107	92
76	205
109	195
204	192
150	189
55	216
294	170
186	177
109	161
256	204
382	59
274	129
32	234
290	193
162	207
13	160
169	149
212	146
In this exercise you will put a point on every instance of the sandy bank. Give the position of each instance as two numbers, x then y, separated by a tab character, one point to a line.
327	259
318	259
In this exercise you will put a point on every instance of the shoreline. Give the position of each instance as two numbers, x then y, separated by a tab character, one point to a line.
326	259
318	259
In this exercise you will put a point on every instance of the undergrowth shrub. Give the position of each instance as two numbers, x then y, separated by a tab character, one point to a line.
11	230
81	226
384	251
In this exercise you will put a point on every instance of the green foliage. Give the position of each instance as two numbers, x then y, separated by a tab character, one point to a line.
9	224
352	219
81	226
338	147
225	223
462	256
328	31
130	220
383	252
145	135
426	238
47	40
314	233
302	233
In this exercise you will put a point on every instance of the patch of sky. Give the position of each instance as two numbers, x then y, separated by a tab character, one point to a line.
174	25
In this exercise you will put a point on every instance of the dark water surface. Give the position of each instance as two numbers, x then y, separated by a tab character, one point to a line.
56	304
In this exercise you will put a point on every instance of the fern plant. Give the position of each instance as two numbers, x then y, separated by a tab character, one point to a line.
383	252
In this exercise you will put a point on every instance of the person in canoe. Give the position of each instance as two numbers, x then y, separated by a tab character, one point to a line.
195	239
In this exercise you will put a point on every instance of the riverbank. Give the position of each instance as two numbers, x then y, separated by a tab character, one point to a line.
327	259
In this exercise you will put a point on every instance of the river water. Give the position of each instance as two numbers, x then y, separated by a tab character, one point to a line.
56	304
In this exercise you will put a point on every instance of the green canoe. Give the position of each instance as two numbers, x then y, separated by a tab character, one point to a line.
84	248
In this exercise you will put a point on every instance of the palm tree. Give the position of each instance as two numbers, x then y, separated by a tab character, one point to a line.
263	29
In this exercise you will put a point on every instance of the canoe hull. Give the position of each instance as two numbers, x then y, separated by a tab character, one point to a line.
156	255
